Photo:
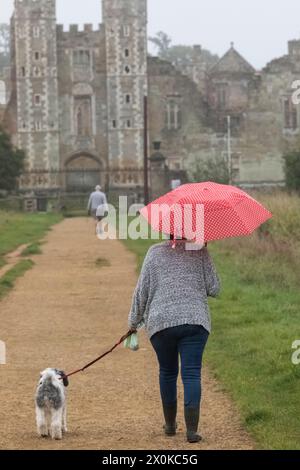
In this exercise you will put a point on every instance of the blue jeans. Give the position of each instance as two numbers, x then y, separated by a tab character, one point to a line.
188	342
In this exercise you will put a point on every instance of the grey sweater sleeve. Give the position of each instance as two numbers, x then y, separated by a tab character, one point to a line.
212	281
140	296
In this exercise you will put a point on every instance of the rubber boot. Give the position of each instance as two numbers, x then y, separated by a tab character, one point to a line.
170	412
191	415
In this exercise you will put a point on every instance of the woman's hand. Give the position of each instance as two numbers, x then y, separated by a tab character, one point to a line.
132	331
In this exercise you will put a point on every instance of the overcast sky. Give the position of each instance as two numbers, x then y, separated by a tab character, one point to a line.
260	29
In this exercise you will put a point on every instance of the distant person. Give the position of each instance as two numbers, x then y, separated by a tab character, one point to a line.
97	205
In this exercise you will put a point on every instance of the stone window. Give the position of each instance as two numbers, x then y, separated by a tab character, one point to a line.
236	124
222	95
83	116
126	53
81	58
23	72
21	32
173	115
126	30
128	123
2	92
36	71
221	125
37	126
127	99
114	124
79	121
127	69
36	32
37	100
36	55
290	114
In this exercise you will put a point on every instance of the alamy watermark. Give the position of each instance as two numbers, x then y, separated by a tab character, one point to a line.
296	353
181	220
2	353
296	94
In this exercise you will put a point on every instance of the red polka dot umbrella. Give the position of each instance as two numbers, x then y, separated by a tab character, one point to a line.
206	212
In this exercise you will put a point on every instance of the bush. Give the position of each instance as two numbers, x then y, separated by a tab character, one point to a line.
292	170
11	163
213	169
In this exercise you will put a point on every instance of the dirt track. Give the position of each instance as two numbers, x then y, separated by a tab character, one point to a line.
66	311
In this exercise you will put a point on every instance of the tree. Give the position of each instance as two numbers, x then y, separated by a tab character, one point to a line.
210	169
11	162
4	45
179	54
292	170
162	41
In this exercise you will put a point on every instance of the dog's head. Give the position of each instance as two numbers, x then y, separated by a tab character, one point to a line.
55	374
63	377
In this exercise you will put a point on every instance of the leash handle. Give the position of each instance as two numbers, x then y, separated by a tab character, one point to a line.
130	332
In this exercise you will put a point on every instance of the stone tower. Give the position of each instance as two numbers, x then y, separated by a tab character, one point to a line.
125	24
35	50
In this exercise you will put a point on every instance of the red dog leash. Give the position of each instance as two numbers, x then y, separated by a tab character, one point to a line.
100	357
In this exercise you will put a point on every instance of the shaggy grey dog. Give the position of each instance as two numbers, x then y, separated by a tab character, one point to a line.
50	401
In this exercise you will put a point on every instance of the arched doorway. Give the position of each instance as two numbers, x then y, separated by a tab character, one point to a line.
83	172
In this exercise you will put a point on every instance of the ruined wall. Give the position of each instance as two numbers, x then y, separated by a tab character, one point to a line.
273	122
177	115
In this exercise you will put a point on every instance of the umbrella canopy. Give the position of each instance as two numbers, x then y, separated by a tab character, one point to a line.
216	210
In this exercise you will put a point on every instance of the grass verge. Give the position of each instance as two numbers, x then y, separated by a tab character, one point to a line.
18	228
33	249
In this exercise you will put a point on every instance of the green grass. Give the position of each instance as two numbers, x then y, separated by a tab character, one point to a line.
8	280
33	249
255	321
69	214
18	228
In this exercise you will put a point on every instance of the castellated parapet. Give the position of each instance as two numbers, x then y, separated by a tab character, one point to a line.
294	47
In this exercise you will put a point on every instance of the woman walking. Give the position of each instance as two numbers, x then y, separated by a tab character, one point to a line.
170	299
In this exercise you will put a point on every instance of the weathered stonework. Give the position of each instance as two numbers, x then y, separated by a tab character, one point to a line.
126	51
75	103
36	84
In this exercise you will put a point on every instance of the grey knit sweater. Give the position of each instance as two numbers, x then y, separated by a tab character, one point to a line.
173	287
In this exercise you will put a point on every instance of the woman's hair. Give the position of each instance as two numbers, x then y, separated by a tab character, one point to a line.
171	237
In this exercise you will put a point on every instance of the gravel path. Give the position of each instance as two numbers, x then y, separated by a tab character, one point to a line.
69	308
